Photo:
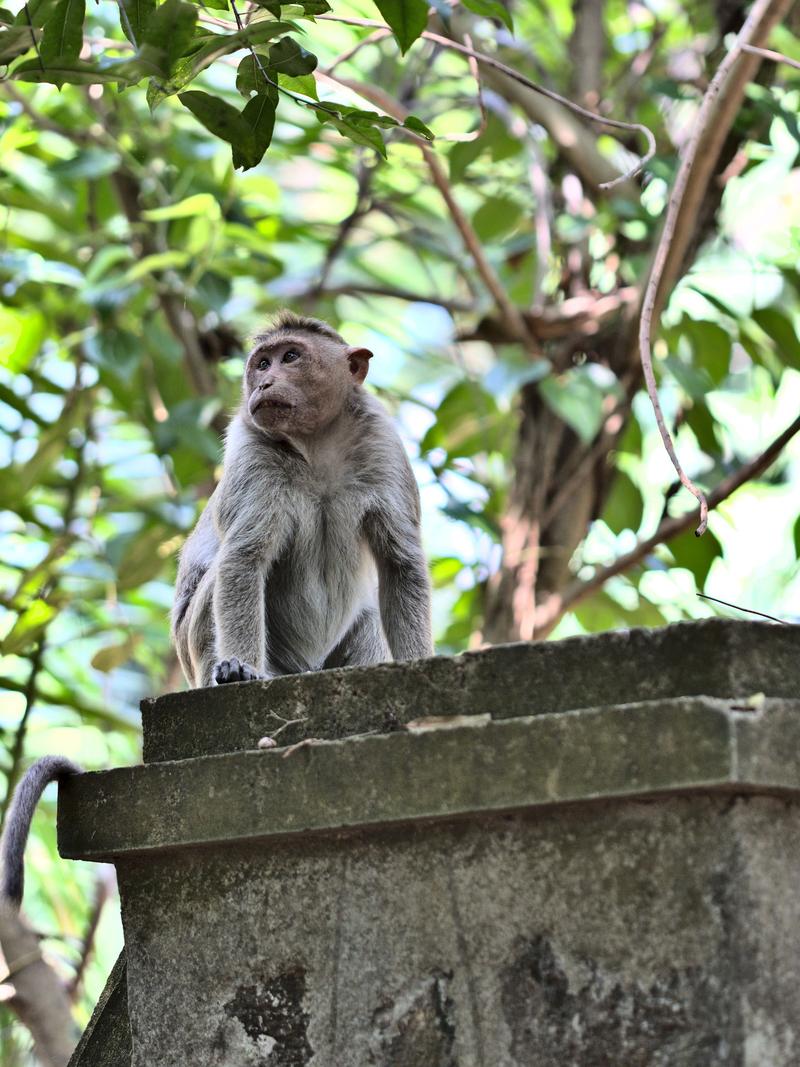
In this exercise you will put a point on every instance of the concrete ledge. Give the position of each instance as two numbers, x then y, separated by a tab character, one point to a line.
718	657
645	749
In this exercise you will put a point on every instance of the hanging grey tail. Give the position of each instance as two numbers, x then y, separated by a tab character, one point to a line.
18	820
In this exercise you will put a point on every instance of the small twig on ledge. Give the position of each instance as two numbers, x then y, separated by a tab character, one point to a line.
738	607
490	61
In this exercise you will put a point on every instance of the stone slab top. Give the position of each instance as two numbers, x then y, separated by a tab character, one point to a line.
471	766
725	658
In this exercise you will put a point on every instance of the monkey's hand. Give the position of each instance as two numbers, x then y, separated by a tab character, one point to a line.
233	670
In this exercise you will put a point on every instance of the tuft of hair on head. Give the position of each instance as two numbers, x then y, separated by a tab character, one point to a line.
286	321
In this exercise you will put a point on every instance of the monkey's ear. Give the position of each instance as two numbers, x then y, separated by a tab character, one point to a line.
359	358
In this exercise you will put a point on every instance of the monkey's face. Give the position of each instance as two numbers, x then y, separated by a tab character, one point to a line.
295	383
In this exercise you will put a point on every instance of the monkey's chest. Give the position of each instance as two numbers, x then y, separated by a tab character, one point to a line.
323	581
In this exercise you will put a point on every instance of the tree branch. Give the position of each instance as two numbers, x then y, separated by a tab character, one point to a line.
511	314
40	999
509	72
550	612
719	107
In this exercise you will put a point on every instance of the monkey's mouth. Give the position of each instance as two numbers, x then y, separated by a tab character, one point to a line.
272	403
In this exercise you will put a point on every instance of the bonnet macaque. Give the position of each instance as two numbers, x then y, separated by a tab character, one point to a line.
308	554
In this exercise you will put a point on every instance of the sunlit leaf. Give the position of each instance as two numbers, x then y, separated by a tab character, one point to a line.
27	629
21	334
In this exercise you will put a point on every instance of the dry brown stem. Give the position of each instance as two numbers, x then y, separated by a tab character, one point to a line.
713	119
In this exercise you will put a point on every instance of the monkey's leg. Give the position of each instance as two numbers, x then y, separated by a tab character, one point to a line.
200	636
363	644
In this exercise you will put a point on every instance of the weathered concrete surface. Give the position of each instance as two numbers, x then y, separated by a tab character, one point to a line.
633	750
106	1041
601	871
609	935
719	657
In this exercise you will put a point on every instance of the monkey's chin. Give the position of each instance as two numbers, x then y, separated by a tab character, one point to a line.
273	417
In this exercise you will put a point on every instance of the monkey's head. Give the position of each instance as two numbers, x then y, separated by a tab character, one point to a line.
299	376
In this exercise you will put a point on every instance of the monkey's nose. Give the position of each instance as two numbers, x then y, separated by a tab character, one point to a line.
265	385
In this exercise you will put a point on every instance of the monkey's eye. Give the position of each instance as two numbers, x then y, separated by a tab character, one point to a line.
263	364
290	355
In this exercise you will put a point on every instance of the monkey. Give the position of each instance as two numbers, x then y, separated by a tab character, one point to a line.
308	554
18	821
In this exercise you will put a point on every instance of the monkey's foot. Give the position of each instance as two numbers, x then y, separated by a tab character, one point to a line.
233	670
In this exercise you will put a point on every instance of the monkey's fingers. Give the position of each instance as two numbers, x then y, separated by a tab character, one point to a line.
234	670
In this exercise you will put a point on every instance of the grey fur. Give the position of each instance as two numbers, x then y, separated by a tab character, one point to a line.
308	554
18	821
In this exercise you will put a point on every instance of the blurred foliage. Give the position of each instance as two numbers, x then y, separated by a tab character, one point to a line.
135	260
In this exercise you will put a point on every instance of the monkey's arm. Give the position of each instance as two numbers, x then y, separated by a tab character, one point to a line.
18	822
239	602
393	535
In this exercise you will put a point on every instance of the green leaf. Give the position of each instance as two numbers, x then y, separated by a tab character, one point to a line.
356	131
169	32
29	626
777	325
158	261
287	57
22	332
210	47
407	19
796	538
577	399
112	656
497	215
468	422
204	204
223	121
86	163
16	40
695	553
624	507
711	346
445	570
63	70
141	560
63	31
702	425
418	126
133	18
35	13
305	84
490	9
259	114
252	77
